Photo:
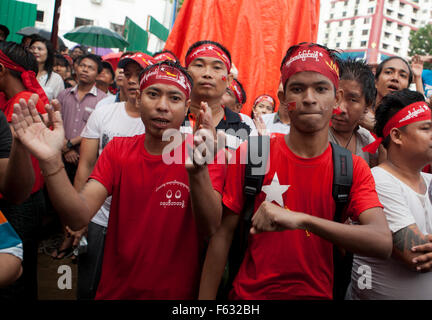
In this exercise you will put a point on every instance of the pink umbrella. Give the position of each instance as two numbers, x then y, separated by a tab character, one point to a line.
113	58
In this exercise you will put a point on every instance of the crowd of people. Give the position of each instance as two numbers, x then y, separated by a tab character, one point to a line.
145	163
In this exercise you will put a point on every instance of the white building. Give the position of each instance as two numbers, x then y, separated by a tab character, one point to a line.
105	13
372	29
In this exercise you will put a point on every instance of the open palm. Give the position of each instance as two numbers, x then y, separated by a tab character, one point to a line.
34	133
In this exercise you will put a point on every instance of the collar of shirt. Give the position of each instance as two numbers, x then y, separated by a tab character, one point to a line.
93	90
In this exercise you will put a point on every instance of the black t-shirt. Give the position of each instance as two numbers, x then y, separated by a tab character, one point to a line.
5	137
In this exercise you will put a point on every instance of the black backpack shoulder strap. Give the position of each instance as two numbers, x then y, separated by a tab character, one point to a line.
342	178
255	169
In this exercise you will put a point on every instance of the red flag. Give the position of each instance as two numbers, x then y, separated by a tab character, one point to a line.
257	34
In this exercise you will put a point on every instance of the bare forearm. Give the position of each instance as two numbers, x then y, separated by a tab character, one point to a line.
72	208
11	269
419	84
361	239
83	172
19	177
214	265
206	203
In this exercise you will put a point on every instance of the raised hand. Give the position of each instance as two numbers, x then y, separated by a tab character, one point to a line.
417	66
32	130
260	125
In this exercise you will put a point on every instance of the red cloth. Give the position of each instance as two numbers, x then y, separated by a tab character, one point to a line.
152	249
7	108
294	264
257	34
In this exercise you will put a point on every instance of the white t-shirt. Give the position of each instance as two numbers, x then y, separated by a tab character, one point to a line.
391	279
273	123
104	124
53	86
109	99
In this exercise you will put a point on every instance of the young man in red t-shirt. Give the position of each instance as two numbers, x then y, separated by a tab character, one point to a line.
160	213
289	254
18	81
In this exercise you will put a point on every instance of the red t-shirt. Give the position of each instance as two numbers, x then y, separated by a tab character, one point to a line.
7	108
294	264
152	249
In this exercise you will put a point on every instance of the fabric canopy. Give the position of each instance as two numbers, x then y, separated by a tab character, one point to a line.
257	34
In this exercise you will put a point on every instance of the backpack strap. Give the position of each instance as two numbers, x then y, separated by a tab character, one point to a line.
342	178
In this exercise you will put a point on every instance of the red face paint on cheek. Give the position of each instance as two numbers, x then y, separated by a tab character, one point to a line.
224	78
337	111
291	106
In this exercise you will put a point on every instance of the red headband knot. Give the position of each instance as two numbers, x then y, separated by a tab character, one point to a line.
418	111
264	97
168	75
209	50
28	77
235	88
309	57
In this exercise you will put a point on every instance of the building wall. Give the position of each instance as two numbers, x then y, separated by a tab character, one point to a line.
104	13
346	25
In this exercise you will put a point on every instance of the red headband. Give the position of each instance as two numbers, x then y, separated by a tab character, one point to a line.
164	56
28	77
168	75
235	88
209	50
311	58
264	97
418	111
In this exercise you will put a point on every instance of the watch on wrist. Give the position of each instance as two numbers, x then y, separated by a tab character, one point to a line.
69	144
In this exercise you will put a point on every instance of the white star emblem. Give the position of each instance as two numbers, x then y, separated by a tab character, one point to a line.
274	191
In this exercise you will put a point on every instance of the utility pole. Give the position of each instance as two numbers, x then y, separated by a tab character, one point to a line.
54	31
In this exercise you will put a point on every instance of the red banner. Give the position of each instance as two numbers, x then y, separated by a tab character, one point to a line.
256	32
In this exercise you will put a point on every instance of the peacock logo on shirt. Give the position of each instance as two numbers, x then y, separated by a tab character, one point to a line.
173	194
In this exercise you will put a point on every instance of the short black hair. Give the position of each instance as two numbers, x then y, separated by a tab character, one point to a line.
170	63
107	65
5	30
200	43
165	51
49	63
242	91
359	71
380	67
93	57
59	59
390	105
18	54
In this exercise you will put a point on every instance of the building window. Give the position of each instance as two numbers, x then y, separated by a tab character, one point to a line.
396	50
357	1
344	14
385	46
370	10
352	22
365	32
83	22
363	43
399	27
349	44
388	23
345	3
398	38
39	16
339	34
366	20
389	12
351	33
400	16
401	5
340	23
331	16
413	21
355	12
117	28
387	34
333	5
337	44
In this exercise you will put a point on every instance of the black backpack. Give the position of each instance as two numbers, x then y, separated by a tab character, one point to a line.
254	176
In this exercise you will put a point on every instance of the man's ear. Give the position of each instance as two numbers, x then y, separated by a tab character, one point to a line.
238	107
187	106
281	96
396	136
338	96
229	79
